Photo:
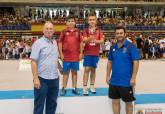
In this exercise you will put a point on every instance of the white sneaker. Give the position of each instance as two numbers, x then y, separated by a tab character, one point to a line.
85	91
92	89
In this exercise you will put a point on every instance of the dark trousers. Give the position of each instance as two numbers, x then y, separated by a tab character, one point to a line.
48	93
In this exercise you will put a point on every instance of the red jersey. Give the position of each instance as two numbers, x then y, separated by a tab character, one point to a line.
91	48
70	44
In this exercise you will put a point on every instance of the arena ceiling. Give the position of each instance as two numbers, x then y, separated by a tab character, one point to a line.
74	3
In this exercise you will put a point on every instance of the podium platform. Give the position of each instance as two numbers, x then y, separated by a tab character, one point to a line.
16	90
21	102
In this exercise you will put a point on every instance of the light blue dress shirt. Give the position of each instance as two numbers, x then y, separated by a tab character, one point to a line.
45	52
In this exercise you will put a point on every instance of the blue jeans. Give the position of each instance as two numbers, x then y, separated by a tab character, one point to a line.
48	93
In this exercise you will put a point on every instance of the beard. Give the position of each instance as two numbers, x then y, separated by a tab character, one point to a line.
120	39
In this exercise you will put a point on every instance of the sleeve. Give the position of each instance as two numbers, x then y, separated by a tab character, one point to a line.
135	55
81	37
84	34
35	51
110	54
101	35
55	42
61	38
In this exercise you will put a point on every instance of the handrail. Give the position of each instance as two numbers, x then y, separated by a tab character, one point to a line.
83	26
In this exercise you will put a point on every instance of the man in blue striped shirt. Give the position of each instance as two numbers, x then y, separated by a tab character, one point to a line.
44	65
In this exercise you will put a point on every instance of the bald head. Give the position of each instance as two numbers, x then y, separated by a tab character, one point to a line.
48	30
48	23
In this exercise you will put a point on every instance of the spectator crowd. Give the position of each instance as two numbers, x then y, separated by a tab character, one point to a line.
58	16
149	47
15	49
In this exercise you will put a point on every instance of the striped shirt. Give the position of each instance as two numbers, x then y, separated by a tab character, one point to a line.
45	52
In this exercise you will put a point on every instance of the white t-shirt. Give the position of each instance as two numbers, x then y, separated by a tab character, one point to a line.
7	43
107	45
14	51
27	49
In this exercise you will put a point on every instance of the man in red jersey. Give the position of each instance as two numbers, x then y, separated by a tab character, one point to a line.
70	48
92	37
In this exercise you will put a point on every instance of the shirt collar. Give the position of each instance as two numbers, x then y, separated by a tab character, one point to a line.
129	40
125	44
47	40
68	30
96	28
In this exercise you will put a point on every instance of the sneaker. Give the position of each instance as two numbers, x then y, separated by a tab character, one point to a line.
75	91
92	89
85	91
63	92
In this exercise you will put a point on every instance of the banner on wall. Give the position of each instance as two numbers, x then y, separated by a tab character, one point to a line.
38	28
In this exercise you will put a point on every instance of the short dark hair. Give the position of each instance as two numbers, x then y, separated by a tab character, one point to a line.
120	27
92	14
71	17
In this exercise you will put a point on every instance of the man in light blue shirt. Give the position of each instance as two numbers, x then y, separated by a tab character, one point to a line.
44	65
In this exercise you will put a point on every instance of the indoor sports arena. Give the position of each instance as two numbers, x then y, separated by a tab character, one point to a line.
82	57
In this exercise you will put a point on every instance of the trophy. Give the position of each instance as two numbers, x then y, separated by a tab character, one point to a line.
91	32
